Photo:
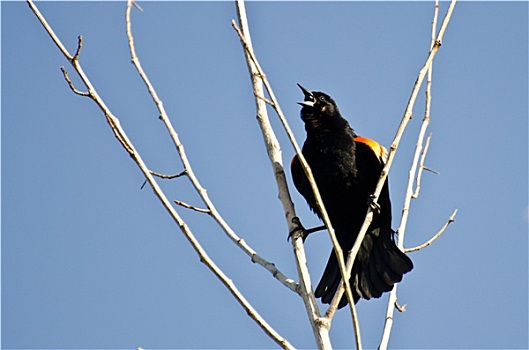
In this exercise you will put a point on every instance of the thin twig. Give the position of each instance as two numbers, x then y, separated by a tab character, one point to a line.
192	207
136	5
267	101
70	84
164	176
423	167
436	172
437	235
400	308
79	46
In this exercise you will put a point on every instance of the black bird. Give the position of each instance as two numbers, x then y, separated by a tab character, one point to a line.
346	168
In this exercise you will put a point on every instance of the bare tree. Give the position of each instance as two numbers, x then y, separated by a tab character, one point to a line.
264	95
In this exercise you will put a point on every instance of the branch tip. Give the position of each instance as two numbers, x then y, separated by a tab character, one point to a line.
75	58
136	5
400	308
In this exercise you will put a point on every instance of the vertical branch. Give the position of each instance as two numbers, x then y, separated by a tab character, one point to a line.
392	301
421	167
319	202
391	155
320	330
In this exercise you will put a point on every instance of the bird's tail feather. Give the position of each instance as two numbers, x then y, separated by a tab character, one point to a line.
378	266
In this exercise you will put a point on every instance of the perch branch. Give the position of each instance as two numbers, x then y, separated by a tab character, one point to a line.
320	329
308	172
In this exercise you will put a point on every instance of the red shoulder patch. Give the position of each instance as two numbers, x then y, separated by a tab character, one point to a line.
377	148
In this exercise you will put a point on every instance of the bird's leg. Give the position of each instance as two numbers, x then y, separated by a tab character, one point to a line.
298	227
374	205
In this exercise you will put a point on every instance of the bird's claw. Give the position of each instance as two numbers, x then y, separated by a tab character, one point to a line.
302	231
297	230
374	205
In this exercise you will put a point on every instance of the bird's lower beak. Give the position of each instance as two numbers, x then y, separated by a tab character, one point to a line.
306	103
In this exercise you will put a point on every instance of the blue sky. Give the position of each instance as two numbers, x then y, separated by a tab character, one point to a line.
91	261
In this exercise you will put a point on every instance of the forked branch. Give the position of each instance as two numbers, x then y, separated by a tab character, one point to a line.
414	173
129	147
188	170
391	155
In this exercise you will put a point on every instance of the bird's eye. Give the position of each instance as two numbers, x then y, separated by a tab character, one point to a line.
322	99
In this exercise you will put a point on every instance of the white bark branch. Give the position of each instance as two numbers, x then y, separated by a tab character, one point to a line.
258	72
126	143
211	209
320	330
434	46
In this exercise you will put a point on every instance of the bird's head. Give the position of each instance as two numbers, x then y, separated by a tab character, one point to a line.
318	102
318	108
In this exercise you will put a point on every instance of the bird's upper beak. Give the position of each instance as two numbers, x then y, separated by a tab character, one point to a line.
309	97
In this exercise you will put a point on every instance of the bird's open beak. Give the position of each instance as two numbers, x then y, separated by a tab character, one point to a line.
309	97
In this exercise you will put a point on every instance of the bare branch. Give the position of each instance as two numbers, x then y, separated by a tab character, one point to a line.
391	155
189	206
79	46
421	168
436	172
48	29
136	5
211	208
437	235
125	142
164	176
70	84
308	172
267	101
435	43
187	165
400	308
319	326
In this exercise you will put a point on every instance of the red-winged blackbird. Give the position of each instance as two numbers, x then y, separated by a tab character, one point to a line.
346	168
